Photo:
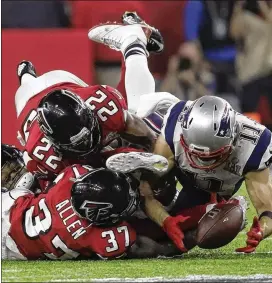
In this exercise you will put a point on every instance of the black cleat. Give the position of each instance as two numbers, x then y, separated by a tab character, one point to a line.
155	42
25	67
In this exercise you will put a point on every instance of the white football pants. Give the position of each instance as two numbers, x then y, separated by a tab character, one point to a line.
31	86
9	247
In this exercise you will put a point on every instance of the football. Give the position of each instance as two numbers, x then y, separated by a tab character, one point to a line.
219	226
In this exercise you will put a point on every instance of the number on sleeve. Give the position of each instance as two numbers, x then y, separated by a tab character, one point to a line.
125	229
102	113
75	171
112	239
250	133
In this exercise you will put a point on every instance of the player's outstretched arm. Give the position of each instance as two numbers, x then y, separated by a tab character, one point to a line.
155	211
153	207
136	131
259	188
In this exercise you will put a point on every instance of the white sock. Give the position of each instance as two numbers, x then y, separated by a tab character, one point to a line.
138	79
26	78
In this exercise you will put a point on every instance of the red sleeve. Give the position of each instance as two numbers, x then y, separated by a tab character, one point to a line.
108	104
73	171
112	241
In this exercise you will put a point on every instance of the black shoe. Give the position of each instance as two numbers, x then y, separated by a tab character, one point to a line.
25	67
155	42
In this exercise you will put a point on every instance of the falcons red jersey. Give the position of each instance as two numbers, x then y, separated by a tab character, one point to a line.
40	157
46	226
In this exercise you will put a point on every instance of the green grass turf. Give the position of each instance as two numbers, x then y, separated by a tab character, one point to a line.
222	261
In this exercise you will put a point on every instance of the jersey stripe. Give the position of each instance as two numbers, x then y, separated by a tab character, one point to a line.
152	126
156	119
238	186
255	158
171	123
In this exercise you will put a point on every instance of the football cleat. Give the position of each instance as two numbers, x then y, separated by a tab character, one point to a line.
25	67
119	36
132	161
155	43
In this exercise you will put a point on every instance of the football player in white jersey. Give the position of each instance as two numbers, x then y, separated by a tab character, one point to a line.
218	149
214	149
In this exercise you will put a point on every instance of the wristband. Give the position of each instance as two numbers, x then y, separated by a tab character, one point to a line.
267	214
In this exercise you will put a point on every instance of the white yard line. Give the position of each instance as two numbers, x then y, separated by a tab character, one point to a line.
11	270
201	278
191	278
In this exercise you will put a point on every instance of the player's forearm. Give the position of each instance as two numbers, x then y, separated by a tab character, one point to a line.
259	188
266	226
146	141
138	132
264	209
155	210
260	195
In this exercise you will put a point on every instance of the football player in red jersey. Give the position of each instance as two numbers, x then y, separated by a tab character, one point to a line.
77	218
82	216
75	121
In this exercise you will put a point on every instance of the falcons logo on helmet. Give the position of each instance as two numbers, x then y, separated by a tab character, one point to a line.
96	210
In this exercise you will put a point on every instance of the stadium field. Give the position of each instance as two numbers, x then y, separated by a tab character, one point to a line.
202	265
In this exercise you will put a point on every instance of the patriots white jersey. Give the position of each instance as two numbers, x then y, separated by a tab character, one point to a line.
252	152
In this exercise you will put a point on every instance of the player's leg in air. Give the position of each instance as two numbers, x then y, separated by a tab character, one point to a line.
31	84
135	39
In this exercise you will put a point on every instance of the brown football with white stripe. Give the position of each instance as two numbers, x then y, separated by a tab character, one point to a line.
219	226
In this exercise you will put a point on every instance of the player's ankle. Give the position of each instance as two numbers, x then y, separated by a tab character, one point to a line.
135	47
26	78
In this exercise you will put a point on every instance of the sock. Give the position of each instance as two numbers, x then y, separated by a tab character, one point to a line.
138	79
136	48
121	85
26	78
